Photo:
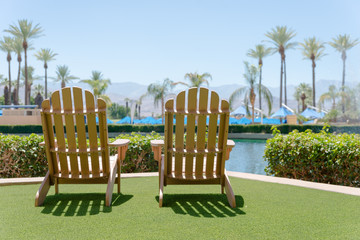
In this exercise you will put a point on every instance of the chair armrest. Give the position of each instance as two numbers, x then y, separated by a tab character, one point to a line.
156	146
119	143
42	144
122	146
229	146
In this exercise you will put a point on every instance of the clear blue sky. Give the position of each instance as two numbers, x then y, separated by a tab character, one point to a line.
147	41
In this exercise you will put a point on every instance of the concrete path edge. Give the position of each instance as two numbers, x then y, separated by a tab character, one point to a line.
294	182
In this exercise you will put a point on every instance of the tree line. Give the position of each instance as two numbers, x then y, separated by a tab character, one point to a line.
281	39
19	43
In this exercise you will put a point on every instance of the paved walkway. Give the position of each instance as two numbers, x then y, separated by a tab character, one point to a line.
250	176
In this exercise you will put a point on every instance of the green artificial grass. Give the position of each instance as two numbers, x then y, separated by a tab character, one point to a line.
264	211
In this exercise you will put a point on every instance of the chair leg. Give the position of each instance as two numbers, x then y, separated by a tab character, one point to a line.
222	189
119	177
161	184
229	192
110	185
56	186
43	190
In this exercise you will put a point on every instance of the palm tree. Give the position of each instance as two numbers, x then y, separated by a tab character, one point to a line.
63	75
313	49
342	43
303	93
159	92
331	95
26	31
251	74
30	77
6	45
98	85
195	79
259	53
39	89
45	55
280	36
18	49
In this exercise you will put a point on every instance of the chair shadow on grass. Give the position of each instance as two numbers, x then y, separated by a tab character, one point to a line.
68	205
203	205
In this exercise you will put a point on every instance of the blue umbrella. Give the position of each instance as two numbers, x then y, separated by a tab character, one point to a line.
159	121
322	114
244	121
125	120
148	120
137	121
233	121
309	122
311	113
239	111
107	120
281	113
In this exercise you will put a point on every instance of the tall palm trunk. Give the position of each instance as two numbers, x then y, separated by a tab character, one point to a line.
18	80
285	87
9	60
45	66
27	96
313	78
252	101
343	56
63	84
260	65
162	110
281	81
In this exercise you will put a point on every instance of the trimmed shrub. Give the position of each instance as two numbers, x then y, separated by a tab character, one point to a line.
319	157
139	156
21	156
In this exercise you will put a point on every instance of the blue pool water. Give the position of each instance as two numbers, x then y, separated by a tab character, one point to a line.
247	156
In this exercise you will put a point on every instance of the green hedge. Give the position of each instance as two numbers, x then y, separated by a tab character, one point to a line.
258	128
320	157
21	156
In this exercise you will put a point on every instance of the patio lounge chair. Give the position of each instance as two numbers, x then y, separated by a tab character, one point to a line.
73	161
196	160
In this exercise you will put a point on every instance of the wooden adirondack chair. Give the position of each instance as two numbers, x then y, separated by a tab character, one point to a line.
196	160
73	162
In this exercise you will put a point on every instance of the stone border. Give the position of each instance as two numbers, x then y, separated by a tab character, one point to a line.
293	182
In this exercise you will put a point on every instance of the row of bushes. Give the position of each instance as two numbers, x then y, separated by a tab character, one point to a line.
258	128
21	156
318	157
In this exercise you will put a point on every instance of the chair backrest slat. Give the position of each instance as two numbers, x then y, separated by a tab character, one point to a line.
48	130
103	136
70	131
179	133
223	133
214	106
81	131
190	131
201	130
200	154
169	121
59	130
92	132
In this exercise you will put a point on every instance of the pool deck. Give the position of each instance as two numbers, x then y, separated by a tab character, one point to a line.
294	182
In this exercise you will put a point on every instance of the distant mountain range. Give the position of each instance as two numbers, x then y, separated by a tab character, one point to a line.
118	91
